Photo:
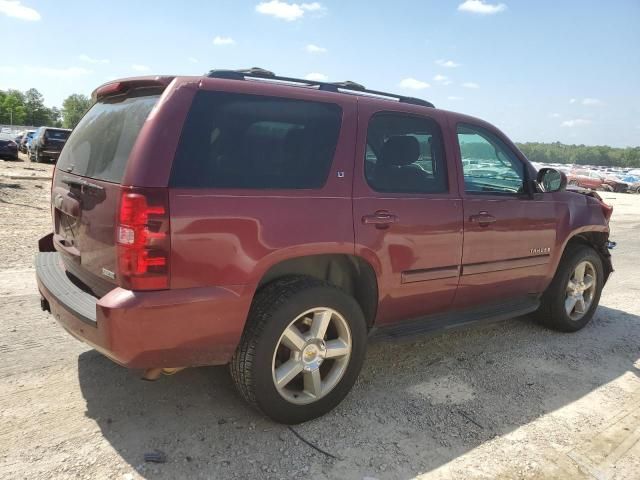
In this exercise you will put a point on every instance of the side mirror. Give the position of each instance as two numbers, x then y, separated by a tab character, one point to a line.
551	180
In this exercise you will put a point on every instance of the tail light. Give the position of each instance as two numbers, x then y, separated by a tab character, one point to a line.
142	238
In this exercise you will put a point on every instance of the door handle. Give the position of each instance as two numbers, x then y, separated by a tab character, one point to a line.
381	219
483	219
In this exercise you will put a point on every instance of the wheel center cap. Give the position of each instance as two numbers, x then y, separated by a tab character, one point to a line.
312	356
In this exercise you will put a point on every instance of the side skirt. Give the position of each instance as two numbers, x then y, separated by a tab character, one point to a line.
456	319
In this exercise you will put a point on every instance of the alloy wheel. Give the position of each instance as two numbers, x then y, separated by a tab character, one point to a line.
311	355
581	290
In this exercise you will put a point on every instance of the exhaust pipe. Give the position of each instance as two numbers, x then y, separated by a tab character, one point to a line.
153	374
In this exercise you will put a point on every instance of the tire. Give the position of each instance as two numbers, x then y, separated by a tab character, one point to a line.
275	308
553	308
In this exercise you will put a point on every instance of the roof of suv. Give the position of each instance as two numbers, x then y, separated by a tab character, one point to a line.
274	82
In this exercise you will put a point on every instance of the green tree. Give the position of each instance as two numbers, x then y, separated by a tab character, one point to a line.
73	108
581	154
37	113
12	107
56	117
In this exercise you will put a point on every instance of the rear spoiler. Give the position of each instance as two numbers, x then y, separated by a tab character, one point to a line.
122	86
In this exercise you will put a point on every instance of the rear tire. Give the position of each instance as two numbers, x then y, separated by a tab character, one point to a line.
569	302
282	335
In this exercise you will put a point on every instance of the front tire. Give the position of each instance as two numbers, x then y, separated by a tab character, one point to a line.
301	351
571	299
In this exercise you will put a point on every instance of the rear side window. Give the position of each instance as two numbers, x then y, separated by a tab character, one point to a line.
247	141
100	145
405	154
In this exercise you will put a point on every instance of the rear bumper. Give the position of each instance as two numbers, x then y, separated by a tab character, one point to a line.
8	152
167	328
50	153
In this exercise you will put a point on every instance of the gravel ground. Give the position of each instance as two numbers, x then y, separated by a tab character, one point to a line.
508	400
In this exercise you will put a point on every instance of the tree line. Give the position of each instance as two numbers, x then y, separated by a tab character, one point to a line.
581	154
28	108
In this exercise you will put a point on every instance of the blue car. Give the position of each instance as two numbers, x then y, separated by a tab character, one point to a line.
26	140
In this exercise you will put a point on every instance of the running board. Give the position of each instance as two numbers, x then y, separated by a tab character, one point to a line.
457	319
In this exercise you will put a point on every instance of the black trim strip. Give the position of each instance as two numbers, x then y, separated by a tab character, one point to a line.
500	265
427	274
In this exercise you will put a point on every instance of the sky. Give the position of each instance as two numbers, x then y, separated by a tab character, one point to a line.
562	70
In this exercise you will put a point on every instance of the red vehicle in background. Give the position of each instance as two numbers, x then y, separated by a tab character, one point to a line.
587	179
274	223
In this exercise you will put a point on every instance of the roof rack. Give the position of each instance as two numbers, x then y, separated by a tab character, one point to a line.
339	87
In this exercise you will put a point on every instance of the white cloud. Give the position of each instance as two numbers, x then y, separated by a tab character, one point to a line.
447	63
578	122
592	102
555	115
442	79
140	68
317	77
311	48
470	85
573	100
287	11
193	59
15	9
8	70
454	98
220	41
88	59
413	84
481	7
68	72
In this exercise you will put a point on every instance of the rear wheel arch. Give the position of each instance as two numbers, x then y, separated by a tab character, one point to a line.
350	273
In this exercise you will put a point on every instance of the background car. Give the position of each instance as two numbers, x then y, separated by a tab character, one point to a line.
8	147
587	179
615	183
633	181
23	145
47	144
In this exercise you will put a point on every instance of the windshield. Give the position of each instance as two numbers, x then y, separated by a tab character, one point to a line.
56	134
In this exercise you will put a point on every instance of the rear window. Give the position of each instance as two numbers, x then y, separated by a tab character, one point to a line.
56	134
248	141
101	143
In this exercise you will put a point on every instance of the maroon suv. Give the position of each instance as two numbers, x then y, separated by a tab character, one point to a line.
273	224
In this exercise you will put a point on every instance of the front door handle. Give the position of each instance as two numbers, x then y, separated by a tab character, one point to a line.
483	219
381	219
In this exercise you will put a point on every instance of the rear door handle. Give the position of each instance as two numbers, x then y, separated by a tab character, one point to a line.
381	219
483	219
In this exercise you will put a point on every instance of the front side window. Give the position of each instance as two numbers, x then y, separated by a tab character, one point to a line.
488	165
234	140
405	155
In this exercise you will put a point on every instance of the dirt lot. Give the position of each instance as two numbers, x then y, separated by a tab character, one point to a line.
508	400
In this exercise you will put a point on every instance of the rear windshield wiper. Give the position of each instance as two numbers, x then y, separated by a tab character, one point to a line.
72	182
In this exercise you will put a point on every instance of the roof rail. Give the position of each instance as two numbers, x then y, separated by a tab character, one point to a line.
339	87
